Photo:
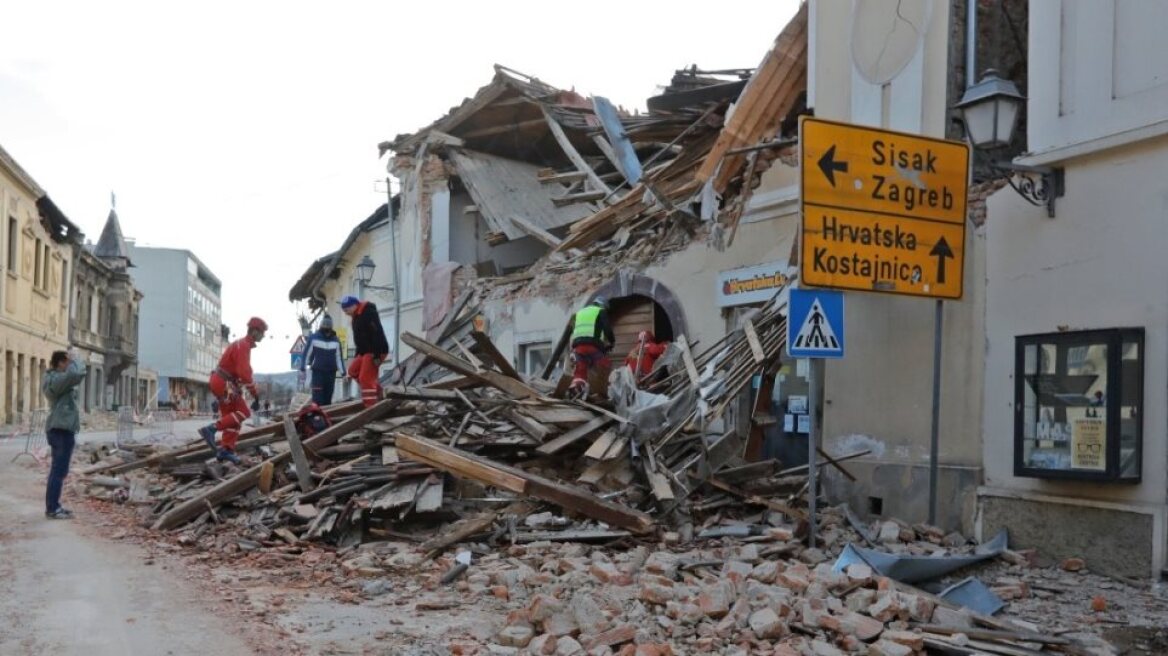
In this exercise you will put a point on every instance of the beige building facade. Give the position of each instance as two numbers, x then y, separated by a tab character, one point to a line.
37	246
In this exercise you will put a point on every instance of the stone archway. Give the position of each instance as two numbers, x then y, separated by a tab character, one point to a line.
628	283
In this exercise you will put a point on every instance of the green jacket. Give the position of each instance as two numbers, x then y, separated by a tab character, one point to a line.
60	388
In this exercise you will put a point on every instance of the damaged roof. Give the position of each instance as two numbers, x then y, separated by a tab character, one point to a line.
313	278
507	118
504	188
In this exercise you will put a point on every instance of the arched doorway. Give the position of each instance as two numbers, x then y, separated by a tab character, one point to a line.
636	303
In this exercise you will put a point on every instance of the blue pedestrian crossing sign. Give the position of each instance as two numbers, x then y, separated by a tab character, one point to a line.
297	359
815	326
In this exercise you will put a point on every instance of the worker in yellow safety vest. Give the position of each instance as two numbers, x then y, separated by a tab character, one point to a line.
592	339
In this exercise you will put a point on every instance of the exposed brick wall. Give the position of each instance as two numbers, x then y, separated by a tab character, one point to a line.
978	193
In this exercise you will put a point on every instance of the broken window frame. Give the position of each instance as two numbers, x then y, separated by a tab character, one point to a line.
1117	341
527	351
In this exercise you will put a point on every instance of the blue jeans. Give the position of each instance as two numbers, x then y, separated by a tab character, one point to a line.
61	442
323	383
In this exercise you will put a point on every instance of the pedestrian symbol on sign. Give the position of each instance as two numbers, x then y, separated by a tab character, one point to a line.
816	334
815	324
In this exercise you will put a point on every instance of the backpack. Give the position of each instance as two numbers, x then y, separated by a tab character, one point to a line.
311	420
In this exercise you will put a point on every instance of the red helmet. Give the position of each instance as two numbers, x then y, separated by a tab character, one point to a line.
256	323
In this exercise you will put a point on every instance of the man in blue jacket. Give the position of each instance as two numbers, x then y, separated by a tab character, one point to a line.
60	388
322	354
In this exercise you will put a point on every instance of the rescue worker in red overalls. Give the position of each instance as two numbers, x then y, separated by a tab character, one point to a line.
372	347
228	381
644	355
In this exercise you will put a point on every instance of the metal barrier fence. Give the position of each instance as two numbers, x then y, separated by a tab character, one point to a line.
158	425
125	426
33	430
163	424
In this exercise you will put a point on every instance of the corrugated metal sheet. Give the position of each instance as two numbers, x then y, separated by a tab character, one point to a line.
502	188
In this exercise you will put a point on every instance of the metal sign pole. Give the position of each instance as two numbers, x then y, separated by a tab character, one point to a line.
813	376
934	437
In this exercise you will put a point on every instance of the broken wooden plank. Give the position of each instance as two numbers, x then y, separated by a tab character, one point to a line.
835	463
516	480
401	494
534	428
551	176
411	393
429	496
749	472
600	446
558	415
460	366
535	231
299	460
577	433
755	499
581	197
458	462
691	368
487	347
573	154
388	455
658	483
755	343
459	531
596	472
265	481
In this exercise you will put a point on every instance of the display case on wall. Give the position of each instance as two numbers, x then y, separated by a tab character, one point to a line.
1078	405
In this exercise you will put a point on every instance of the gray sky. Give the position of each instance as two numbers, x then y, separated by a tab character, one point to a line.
246	131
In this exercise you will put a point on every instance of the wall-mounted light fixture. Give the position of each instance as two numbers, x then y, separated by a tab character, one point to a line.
990	111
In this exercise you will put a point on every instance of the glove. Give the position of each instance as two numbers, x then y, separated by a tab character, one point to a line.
255	405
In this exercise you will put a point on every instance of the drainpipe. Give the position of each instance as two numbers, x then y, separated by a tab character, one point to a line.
970	43
393	248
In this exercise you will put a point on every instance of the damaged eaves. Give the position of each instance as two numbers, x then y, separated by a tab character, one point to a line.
324	268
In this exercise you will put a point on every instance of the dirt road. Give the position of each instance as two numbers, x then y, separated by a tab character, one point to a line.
63	590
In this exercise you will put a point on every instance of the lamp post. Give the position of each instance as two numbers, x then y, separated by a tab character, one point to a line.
990	110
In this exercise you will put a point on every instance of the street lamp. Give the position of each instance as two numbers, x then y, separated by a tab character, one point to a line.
365	270
990	110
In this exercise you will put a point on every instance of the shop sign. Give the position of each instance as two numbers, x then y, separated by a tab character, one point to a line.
753	284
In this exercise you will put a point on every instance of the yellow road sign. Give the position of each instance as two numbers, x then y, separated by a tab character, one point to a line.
882	253
882	211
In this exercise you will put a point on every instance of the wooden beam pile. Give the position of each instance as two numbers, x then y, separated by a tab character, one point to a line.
480	436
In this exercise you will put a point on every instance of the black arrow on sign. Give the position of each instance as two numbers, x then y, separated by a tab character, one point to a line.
941	251
829	166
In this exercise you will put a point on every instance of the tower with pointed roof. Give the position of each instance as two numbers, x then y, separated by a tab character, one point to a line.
111	246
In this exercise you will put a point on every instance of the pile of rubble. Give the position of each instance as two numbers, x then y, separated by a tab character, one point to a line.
572	514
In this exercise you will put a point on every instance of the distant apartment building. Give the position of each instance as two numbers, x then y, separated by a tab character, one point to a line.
104	320
36	248
179	325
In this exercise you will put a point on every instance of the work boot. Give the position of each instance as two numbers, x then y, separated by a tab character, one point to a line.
229	456
208	434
